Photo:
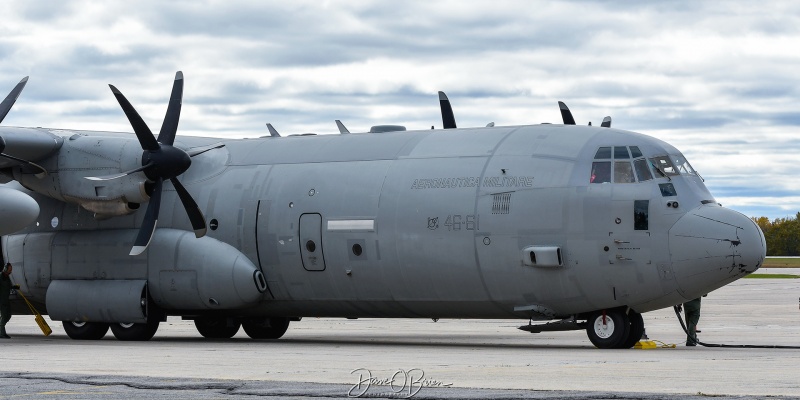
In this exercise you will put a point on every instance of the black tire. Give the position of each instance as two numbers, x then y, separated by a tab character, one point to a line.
610	334
216	328
635	332
85	330
266	328
135	332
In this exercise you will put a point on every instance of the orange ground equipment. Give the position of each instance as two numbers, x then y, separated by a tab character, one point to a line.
39	319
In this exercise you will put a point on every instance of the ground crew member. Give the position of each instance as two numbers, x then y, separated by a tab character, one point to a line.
692	310
5	302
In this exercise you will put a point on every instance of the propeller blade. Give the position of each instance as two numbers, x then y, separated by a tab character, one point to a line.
9	101
2	144
448	119
272	131
150	221
170	126
606	122
196	151
342	128
192	210
146	138
32	164
566	115
119	175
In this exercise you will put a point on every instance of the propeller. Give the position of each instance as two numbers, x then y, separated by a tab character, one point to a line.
448	119
161	161
9	101
5	107
566	115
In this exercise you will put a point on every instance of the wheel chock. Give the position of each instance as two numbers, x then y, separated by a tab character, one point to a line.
645	344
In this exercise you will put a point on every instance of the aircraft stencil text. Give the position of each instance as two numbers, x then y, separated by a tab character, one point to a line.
471	182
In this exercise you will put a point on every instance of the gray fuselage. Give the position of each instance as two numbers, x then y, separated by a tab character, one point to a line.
466	223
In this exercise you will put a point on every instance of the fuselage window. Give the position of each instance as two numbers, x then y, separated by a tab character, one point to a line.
601	172
623	173
641	214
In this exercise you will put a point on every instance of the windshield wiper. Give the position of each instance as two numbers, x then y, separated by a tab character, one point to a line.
661	172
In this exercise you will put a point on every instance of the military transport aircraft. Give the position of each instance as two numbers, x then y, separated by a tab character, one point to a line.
584	226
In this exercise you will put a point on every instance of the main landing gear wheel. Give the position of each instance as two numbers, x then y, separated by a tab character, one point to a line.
266	328
608	329
635	332
85	330
216	328
135	332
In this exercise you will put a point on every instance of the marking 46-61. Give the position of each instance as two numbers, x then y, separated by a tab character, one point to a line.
456	222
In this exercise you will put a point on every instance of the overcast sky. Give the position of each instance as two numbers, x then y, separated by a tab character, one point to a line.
718	80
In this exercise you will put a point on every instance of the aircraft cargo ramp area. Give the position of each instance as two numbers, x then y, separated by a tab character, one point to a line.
325	358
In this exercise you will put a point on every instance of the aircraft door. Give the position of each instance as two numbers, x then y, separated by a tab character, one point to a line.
630	238
311	242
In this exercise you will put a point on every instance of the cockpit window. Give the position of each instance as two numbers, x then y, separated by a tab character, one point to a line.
601	172
642	170
623	173
664	165
682	166
627	164
672	165
603	152
621	153
616	161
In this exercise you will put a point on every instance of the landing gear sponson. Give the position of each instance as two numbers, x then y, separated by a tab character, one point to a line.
617	328
208	327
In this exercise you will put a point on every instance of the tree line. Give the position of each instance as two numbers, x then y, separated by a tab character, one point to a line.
782	235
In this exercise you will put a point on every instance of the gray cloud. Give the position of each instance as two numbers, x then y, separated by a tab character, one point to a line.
720	83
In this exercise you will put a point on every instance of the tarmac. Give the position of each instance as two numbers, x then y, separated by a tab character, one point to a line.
422	359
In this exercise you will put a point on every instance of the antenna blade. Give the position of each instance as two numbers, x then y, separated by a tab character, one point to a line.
342	128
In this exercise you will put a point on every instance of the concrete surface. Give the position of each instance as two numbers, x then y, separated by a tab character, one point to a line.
326	358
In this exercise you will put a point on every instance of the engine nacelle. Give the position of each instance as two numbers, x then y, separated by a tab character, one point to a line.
85	156
17	210
187	273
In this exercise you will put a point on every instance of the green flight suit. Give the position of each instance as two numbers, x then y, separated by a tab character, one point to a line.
5	303
692	310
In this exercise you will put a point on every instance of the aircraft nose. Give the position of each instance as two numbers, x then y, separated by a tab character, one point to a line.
711	246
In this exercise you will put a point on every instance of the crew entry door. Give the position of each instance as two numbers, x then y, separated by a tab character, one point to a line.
311	242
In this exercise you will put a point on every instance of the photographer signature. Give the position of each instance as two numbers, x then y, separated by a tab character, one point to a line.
402	384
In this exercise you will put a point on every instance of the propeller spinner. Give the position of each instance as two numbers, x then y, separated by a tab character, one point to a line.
161	161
